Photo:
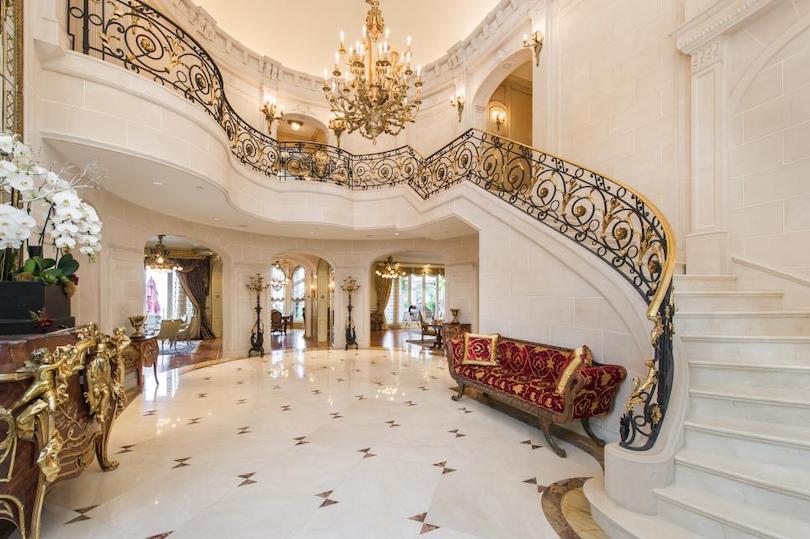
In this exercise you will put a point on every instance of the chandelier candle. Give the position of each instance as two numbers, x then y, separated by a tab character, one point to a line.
368	87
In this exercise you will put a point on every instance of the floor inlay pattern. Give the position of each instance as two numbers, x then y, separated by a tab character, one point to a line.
353	459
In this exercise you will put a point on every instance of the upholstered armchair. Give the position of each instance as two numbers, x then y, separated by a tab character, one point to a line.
276	322
426	329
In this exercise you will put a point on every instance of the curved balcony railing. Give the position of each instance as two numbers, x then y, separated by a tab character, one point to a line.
608	218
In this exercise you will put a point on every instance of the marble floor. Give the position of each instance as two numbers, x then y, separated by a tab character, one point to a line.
318	443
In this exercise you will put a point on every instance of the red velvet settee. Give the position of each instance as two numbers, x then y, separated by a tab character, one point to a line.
529	377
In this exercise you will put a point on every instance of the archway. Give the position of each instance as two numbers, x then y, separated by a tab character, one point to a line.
407	297
299	302
182	303
297	127
503	100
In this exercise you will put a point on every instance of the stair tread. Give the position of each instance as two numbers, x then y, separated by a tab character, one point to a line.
761	430
749	366
735	514
747	338
713	277
745	313
730	293
786	396
770	476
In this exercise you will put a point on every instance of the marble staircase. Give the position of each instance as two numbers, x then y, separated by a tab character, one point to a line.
744	470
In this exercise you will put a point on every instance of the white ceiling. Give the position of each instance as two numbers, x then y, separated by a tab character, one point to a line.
304	34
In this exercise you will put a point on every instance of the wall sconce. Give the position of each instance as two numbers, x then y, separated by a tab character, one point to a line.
535	43
458	103
338	126
498	117
273	112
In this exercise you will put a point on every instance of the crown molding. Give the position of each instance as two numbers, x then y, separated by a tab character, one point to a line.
485	38
697	34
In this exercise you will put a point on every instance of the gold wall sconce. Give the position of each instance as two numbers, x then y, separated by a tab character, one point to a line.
498	116
458	103
534	42
273	112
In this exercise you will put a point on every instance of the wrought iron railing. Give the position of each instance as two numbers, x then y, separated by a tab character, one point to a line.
605	216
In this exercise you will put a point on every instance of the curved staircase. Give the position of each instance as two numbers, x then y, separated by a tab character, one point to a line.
744	470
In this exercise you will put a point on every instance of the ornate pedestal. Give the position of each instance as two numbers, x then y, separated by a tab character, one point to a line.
59	395
451	330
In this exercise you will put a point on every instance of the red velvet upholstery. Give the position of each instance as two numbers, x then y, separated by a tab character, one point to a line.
596	396
530	372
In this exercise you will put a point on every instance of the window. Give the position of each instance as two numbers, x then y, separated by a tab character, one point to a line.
299	277
279	292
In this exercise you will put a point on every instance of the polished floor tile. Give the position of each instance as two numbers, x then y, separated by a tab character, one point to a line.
317	443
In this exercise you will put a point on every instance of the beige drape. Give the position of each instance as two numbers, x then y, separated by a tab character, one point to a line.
384	287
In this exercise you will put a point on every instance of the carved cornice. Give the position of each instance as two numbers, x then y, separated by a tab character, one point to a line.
707	55
722	17
485	37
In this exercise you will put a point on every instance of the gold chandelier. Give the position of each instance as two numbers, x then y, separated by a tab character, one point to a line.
390	270
157	259
368	88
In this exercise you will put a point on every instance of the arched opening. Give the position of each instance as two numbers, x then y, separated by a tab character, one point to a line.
182	304
295	127
299	302
408	300
509	109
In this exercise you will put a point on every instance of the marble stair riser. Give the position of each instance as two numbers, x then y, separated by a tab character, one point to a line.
735	301
737	408
700	524
747	351
744	378
751	449
764	324
702	284
771	499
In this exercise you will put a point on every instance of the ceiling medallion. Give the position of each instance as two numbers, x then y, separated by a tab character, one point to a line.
157	258
368	88
390	269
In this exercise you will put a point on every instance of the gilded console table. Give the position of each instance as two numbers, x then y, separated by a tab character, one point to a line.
59	395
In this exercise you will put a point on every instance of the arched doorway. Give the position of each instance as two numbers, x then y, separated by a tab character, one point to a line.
295	127
509	109
407	296
182	303
299	302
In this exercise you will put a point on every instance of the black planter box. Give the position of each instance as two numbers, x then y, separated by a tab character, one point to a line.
19	299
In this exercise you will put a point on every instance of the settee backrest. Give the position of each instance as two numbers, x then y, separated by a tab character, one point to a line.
533	359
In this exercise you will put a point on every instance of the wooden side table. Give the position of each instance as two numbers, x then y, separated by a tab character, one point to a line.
451	331
141	352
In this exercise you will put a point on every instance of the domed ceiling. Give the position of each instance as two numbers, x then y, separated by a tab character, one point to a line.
304	34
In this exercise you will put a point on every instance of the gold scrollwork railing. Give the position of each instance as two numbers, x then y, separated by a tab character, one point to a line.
607	217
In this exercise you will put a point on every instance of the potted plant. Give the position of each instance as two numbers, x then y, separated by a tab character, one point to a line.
35	290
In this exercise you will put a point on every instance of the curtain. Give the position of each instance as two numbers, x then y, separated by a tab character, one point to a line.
195	278
384	287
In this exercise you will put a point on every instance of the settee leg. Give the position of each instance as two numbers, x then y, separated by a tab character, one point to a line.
586	424
545	426
460	393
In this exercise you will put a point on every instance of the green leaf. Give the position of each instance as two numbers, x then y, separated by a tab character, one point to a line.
29	267
46	262
68	265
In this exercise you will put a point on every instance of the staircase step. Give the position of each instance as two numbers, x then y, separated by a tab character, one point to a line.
776	323
784	350
711	515
741	376
757	441
704	282
784	407
775	488
724	300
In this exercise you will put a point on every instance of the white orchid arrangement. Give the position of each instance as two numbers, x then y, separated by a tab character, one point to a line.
69	223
